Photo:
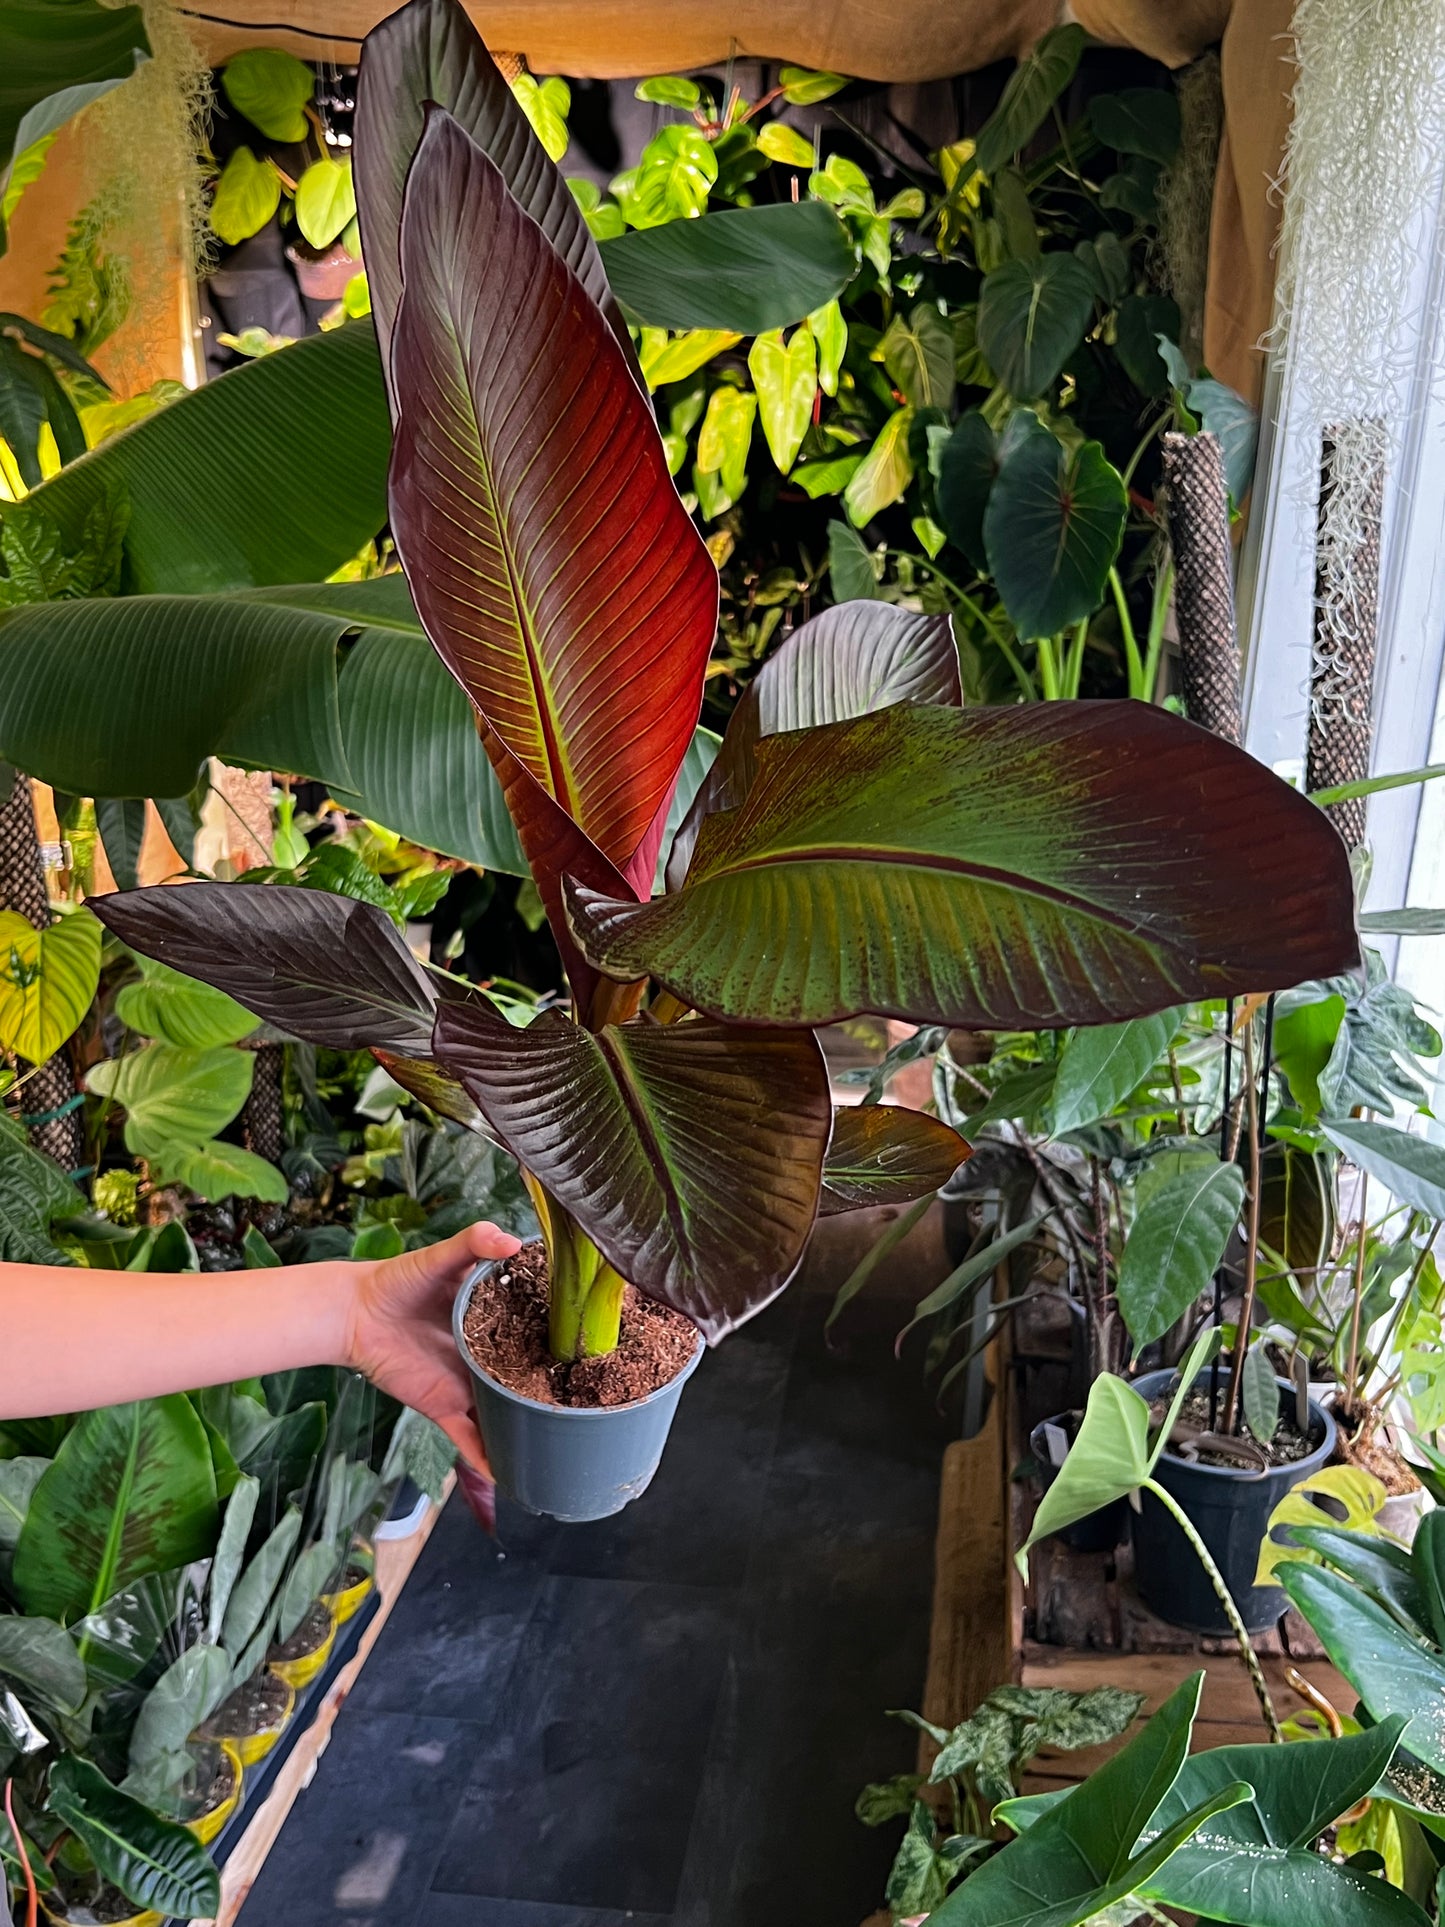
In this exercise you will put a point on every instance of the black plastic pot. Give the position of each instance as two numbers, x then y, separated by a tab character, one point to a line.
1097	1531
568	1462
1229	1508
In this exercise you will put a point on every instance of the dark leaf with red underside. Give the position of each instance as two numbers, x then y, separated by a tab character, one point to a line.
850	660
550	558
431	51
326	969
886	1154
691	1154
1064	863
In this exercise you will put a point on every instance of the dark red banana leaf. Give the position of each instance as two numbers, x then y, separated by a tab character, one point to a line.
691	1154
430	50
549	556
326	969
1061	863
886	1154
848	661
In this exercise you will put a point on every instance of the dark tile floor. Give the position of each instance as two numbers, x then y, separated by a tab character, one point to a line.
662	1719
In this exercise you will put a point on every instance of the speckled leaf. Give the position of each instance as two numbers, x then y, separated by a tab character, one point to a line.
1055	864
885	1154
691	1154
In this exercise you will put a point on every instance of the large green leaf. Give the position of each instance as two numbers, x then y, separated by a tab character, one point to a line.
430	51
1056	864
187	1692
326	969
253	1593
217	1170
1079	1858
1100	1066
47	980
18	1479
226	1562
1032	89
1384	1569
548	553
272	89
785	375
852	659
154	1862
1138	120
1031	316
1390	1670
173	1096
181	1010
59	55
1109	1457
745	270
132	1491
1412	1169
967	469
886	1154
43	1657
34	1192
222	485
1187	1204
1296	1205
917	349
1052	528
691	1154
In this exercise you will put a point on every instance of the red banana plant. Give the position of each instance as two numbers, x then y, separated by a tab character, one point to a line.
862	844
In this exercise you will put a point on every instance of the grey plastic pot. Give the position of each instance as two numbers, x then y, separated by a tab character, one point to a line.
570	1462
1229	1508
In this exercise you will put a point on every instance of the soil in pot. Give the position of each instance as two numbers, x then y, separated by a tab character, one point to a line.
101	1907
1363	1446
505	1327
253	1709
1196	1443
314	1631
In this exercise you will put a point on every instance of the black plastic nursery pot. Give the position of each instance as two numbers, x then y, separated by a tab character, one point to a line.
1229	1507
1097	1531
569	1462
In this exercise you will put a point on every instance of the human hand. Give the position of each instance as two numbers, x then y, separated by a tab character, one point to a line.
399	1329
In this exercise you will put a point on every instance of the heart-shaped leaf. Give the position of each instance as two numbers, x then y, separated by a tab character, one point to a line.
745	270
247	195
1060	863
1138	120
1100	1066
172	1096
1186	1206
132	1491
47	980
430	51
215	1170
549	556
691	1154
1052	528
1031	316
326	969
885	1154
967	469
852	659
180	1010
271	88
325	201
155	1863
785	376
1032	89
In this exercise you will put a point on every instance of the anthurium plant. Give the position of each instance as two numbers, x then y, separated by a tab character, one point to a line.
862	842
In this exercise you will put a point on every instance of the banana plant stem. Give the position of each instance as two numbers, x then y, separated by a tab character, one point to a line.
1221	1592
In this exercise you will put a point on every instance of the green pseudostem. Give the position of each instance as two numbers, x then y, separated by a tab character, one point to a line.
1222	1593
586	1293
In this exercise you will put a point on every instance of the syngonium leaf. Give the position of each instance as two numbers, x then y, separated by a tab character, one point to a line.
181	1010
549	555
886	1154
155	1863
852	659
1089	1851
326	969
173	1096
1052	528
785	375
131	1491
1058	864
691	1154
430	51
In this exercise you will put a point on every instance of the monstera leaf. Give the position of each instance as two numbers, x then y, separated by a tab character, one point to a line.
849	661
549	556
326	969
691	1154
1063	863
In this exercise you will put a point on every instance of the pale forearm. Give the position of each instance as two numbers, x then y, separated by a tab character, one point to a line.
72	1338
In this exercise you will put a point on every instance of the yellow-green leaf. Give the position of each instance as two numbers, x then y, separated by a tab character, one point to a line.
830	331
272	89
325	201
546	104
674	359
724	439
247	195
885	473
783	143
786	379
47	980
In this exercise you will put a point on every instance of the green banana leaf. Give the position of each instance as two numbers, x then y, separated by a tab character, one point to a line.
154	1862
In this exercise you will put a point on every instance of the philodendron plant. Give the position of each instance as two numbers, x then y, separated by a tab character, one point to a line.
862	842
